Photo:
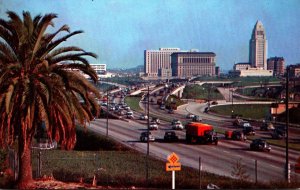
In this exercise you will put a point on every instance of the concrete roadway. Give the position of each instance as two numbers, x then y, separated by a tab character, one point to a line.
218	159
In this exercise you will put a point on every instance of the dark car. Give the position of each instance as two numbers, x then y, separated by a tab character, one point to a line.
248	130
155	120
206	110
170	111
278	133
235	135
144	137
260	144
197	118
170	136
267	126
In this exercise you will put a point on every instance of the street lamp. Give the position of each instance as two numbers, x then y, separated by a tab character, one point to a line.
148	131
107	100
287	165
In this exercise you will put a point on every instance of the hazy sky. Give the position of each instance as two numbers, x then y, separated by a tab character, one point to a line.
119	31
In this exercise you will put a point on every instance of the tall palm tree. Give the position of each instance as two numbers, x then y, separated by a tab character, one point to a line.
41	82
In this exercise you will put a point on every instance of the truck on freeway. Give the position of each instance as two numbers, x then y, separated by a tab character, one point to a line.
197	132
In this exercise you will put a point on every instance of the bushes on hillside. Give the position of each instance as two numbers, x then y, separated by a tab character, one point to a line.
88	140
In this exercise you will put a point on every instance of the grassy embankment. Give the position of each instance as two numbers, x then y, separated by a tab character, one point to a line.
207	92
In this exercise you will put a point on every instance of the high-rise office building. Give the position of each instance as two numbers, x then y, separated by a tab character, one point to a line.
157	63
258	47
277	65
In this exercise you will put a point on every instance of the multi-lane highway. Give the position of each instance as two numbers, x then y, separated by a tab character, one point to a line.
219	159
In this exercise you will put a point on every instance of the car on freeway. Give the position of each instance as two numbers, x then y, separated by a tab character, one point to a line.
267	126
144	137
155	120
177	126
103	104
170	111
244	124
235	135
190	116
248	130
153	126
143	117
174	121
278	133
206	110
170	136
127	108
129	115
214	103
197	118
260	145
162	107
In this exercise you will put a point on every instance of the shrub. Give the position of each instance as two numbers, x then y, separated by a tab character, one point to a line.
88	140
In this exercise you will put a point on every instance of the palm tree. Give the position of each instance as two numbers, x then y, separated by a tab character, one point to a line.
41	82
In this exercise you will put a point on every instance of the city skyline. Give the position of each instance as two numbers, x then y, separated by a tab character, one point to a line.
119	31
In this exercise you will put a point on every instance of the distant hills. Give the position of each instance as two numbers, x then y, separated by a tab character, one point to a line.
137	69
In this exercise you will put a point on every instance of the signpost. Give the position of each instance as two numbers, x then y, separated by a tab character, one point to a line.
173	165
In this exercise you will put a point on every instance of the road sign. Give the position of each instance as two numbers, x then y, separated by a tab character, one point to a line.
173	158
173	164
173	167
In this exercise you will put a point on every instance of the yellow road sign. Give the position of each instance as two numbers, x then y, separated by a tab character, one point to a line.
173	167
173	164
173	158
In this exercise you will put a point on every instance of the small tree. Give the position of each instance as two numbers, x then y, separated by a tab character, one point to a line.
239	170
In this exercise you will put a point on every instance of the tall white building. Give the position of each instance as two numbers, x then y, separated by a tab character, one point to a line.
258	47
157	63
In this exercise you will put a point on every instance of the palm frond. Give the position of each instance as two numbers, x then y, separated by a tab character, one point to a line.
40	30
63	50
6	50
49	47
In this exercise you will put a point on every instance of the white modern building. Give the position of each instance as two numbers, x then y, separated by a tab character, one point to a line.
101	71
157	63
99	68
241	66
252	72
258	47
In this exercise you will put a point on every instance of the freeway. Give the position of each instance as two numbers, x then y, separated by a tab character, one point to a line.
218	159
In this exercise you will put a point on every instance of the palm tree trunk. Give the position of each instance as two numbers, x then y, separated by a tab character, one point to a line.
25	167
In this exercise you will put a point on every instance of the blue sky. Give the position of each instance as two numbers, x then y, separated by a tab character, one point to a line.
119	31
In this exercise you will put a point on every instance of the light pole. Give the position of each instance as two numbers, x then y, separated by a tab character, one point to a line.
231	102
107	109
287	168
148	131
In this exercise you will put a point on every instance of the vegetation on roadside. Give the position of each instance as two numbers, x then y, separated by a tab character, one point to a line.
207	92
173	100
253	111
133	102
268	93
